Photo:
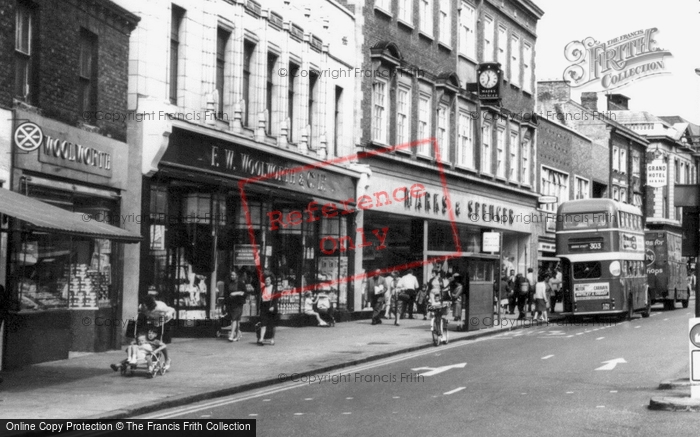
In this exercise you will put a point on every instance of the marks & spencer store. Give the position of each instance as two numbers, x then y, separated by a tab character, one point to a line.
198	231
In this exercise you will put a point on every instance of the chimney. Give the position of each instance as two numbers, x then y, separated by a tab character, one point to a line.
618	102
553	90
589	100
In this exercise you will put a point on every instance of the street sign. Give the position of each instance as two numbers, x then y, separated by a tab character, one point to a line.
694	349
656	173
490	242
547	199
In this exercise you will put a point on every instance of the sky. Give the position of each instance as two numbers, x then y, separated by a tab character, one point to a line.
678	22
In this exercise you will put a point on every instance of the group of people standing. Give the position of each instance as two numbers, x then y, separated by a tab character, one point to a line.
532	294
403	295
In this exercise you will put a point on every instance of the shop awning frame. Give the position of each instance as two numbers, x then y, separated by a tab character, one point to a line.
42	216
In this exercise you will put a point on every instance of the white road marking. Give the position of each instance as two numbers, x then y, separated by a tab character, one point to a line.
636	327
347	412
610	364
600	338
298	414
190	409
253	414
349	398
613	391
309	399
547	357
580	333
396	397
665	320
600	406
205	415
569	336
436	370
454	391
569	392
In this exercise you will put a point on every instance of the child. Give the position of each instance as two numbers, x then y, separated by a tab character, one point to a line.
141	349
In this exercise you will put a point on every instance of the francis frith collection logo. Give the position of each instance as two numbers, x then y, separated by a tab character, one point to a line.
616	62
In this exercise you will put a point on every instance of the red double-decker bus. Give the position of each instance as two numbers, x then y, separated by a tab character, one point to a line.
601	246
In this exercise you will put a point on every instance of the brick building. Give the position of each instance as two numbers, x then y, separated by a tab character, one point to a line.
421	58
221	92
569	164
63	75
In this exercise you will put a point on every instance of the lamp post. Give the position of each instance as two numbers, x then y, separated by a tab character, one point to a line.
697	257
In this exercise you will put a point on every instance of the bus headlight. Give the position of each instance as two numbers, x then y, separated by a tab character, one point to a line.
615	268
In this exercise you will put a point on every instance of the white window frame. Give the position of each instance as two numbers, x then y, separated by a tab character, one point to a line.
383	5
424	131
636	163
616	159
623	195
443	131
406	11
486	152
465	138
425	16
525	153
467	29
616	193
513	152
527	67
515	60
380	111
501	151
579	183
554	182
502	55
623	160
489	37
444	22
403	116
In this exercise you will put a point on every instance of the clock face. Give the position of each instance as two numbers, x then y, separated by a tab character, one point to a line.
488	78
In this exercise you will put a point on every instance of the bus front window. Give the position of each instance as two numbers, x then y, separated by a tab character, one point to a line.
586	270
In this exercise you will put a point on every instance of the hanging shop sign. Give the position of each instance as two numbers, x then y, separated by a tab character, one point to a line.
259	168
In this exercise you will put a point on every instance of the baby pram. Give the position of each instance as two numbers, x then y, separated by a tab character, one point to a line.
142	325
224	318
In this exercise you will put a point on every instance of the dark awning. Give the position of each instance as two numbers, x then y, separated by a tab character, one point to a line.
42	216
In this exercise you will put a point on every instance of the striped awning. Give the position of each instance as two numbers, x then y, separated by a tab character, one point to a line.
44	217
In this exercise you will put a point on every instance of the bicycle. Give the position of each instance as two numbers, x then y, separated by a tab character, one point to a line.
439	329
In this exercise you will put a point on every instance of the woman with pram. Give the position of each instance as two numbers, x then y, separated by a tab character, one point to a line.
155	313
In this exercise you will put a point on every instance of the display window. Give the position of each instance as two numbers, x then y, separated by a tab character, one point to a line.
57	271
198	236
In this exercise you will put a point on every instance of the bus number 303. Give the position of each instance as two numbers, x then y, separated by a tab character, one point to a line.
596	246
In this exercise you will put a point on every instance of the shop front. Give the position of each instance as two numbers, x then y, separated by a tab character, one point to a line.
420	229
215	206
64	263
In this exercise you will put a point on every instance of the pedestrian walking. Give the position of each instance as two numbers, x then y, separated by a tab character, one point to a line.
269	310
390	297
234	300
376	287
408	284
530	299
541	299
522	290
555	283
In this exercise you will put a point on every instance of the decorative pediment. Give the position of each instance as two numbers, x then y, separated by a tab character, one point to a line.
449	81
386	52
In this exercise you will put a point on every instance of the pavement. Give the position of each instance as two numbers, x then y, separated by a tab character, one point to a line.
85	387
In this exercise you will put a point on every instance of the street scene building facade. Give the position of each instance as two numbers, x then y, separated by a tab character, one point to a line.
246	90
64	170
197	138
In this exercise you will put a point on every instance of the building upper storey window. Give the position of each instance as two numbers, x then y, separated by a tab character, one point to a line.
25	56
176	17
